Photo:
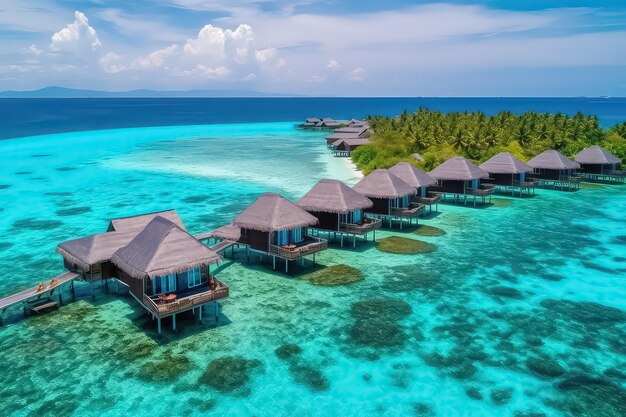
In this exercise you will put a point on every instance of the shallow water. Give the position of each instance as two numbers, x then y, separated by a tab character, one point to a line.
522	307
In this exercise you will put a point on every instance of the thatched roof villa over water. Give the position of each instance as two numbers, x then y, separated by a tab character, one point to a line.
507	173
165	268
555	170
339	209
391	196
138	222
598	164
419	180
459	177
276	227
345	147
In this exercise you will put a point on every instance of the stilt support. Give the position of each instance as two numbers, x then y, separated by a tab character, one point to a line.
174	321
159	325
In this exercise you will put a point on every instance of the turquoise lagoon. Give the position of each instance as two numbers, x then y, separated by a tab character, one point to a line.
520	310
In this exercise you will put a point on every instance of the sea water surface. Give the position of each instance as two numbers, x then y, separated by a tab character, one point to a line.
520	311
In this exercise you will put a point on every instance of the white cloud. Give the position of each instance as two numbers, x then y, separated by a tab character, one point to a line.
249	77
332	64
155	59
219	44
77	36
112	63
265	55
316	79
34	50
207	72
357	74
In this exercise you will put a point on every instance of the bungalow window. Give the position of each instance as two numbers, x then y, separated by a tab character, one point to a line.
164	284
357	216
423	191
281	237
400	202
296	235
194	277
475	183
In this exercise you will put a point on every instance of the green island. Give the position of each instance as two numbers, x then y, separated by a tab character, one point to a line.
438	136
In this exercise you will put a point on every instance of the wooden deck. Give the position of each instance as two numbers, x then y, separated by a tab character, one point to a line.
32	293
189	302
312	245
360	229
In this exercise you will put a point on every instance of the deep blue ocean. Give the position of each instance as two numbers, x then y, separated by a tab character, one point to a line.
28	117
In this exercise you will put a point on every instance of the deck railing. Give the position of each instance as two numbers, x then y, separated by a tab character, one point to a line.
431	198
360	229
186	303
407	212
316	245
481	192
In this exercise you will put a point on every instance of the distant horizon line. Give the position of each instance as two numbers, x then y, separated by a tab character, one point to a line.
56	92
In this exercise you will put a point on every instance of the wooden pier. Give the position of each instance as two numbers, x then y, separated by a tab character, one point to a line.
38	298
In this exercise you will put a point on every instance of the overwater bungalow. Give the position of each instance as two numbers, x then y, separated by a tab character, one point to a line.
276	227
507	173
391	197
339	210
328	123
346	133
168	271
419	180
344	147
598	164
138	222
355	122
165	268
459	177
552	169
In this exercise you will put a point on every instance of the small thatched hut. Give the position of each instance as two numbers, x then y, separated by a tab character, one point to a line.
327	123
163	258
165	268
460	177
595	160
344	147
275	226
419	180
338	208
554	169
508	173
391	196
138	222
91	255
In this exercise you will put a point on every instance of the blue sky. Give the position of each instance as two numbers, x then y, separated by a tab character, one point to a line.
344	48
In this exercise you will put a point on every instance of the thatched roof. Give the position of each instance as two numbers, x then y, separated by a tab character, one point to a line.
411	175
552	160
352	122
271	212
417	157
383	184
94	249
338	136
137	223
352	142
595	155
228	232
333	196
162	248
313	120
505	163
458	169
353	129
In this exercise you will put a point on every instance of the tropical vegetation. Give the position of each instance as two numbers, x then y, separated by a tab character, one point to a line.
438	136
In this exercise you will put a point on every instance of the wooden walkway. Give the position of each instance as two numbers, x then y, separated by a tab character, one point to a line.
32	292
224	244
